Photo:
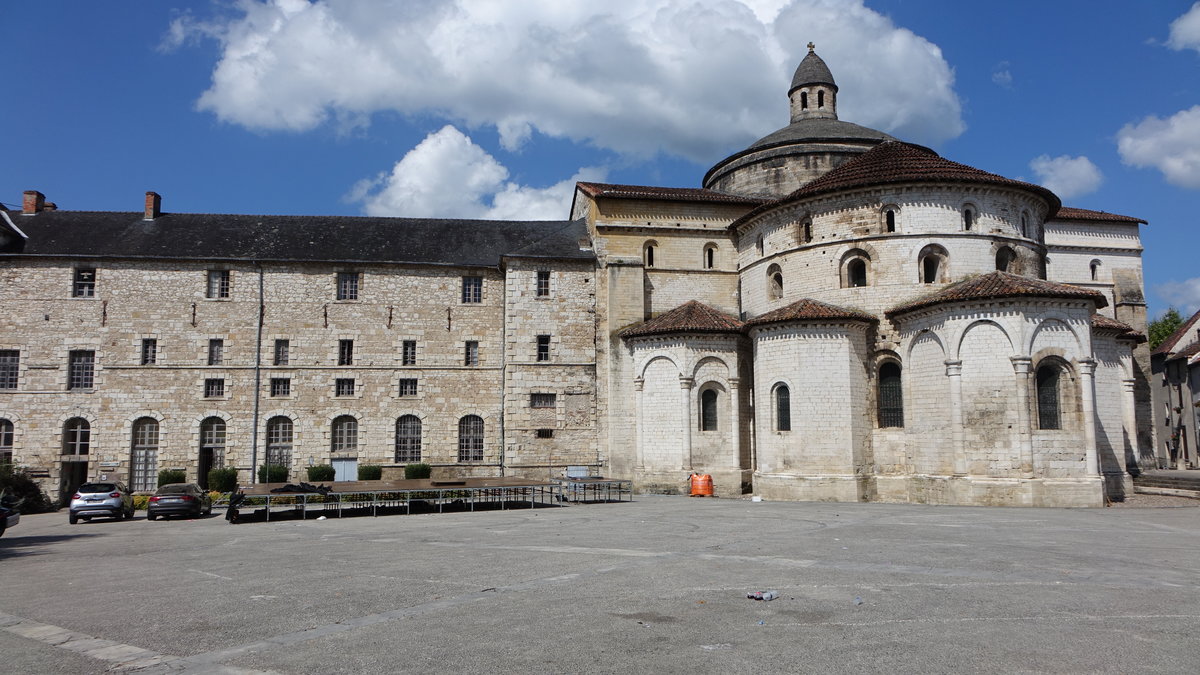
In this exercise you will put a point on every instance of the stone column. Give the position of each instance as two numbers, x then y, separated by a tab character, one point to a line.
1129	421
1087	396
735	421
954	372
640	426
685	387
1021	366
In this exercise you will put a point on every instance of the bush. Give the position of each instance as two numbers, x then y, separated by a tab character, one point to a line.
370	472
414	471
223	480
321	472
167	476
24	490
272	473
140	502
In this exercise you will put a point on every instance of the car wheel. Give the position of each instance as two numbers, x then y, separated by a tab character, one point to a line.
129	514
2	526
86	519
151	516
72	518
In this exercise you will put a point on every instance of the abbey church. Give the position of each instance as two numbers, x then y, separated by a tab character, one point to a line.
835	314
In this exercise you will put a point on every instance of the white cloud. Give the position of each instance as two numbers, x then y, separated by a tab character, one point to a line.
1170	145
1002	76
1184	295
448	176
1185	31
1067	176
694	79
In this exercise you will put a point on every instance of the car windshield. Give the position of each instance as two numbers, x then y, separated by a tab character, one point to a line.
176	489
97	487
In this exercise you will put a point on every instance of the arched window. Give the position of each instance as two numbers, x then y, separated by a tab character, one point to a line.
889	220
968	216
774	282
408	439
856	273
932	263
6	441
279	441
212	444
708	410
344	434
758	245
891	396
804	100
710	256
144	454
648	253
820	98
1095	267
470	439
77	436
1005	258
1047	397
783	408
807	236
1025	224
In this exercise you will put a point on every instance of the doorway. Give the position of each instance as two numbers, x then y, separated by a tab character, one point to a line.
345	469
206	465
72	474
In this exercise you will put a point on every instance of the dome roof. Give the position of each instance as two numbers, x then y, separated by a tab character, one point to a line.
817	130
812	70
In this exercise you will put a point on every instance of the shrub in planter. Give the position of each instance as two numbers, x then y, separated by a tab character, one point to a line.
167	476
414	471
272	473
321	472
223	480
24	489
370	472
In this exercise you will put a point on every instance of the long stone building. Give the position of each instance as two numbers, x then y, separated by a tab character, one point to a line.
834	315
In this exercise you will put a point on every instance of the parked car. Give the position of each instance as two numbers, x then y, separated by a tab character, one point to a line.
101	499
9	515
179	499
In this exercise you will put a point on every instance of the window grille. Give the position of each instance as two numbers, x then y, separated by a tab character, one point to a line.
345	434
84	284
345	352
891	396
145	455
408	387
216	352
279	441
77	436
472	289
545	433
408	353
149	351
543	348
470	439
283	354
347	286
1047	398
471	353
543	284
10	368
81	369
708	410
542	400
408	439
344	386
783	408
214	387
281	386
218	284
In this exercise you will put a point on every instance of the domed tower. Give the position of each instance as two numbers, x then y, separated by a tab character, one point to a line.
815	142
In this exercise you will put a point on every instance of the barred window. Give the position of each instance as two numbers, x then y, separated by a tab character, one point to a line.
216	352
408	439
279	441
345	352
545	433
144	458
84	283
281	386
345	434
408	387
471	353
470	439
891	396
708	410
283	354
543	284
408	353
1047	397
783	408
343	386
218	284
149	351
214	387
10	368
81	369
212	441
347	286
472	289
543	348
542	400
6	441
77	436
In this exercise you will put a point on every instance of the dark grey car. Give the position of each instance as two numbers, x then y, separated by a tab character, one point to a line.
179	499
102	499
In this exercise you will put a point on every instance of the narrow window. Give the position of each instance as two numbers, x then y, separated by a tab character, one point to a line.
758	244
708	410
783	408
930	269
214	387
77	436
968	218
856	273
820	98
345	352
144	454
81	369
542	400
212	442
891	396
344	434
774	282
649	255
470	439
1095	267
1047	397
281	386
347	285
408	439
84	285
343	386
149	351
471	353
1024	225
889	218
710	257
543	348
1004	259
545	433
10	368
808	231
407	387
6	441
804	100
279	441
216	352
543	284
283	350
408	353
472	290
218	284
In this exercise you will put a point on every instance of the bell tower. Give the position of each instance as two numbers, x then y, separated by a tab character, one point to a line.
813	93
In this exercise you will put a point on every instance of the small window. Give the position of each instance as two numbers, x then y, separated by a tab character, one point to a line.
543	348
6	441
1047	397
408	387
856	273
81	369
932	264
758	245
968	216
472	290
281	386
408	439
543	284
344	434
708	410
774	282
808	236
84	285
408	353
470	439
930	269
889	220
345	352
347	285
545	433
282	352
1005	258
542	400
820	98
343	386
10	368
77	436
218	284
804	100
891	396
214	387
216	352
783	408
710	256
1025	225
471	353
149	351
1095	267
648	255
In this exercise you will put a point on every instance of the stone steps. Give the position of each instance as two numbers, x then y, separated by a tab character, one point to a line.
1164	483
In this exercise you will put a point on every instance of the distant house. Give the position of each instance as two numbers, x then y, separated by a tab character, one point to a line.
1175	365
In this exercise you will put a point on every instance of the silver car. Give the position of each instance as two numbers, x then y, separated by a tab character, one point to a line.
101	499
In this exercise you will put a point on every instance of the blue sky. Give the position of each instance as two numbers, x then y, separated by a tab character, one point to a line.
494	109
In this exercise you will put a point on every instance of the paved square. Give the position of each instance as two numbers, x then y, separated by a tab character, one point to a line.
654	585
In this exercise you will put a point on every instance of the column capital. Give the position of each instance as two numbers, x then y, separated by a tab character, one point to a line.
734	381
687	382
1129	383
953	368
1021	364
638	383
1087	366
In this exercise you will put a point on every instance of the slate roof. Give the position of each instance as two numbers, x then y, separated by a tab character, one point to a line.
1071	213
471	243
613	191
809	310
1186	328
997	285
1124	330
690	317
812	70
817	130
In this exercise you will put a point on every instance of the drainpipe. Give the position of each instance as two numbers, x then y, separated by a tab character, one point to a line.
257	377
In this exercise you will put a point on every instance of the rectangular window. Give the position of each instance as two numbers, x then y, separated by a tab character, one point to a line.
10	368
471	355
543	348
149	351
84	285
543	284
472	289
347	286
408	353
281	386
218	284
345	352
541	400
344	386
81	369
216	352
408	387
545	433
214	387
282	352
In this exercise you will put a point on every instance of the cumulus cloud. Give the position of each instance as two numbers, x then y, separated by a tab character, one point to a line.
449	176
1185	31
693	79
1182	294
1002	76
1171	145
1067	176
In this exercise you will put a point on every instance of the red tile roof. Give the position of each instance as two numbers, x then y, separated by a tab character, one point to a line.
612	191
996	285
1185	329
690	317
1124	330
1189	351
809	310
1070	213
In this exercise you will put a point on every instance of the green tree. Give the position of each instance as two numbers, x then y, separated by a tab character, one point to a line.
1161	328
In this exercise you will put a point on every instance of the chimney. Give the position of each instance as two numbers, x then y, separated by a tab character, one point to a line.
153	205
33	203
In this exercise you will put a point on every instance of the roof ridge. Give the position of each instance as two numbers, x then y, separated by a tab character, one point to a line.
692	316
810	309
996	285
1184	328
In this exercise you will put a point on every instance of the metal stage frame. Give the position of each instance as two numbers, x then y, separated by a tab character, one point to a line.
583	490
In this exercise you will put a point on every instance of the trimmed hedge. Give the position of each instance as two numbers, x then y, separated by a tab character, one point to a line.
370	472
415	471
321	472
223	480
272	473
167	476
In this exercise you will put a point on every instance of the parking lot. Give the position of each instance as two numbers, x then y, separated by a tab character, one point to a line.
658	584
